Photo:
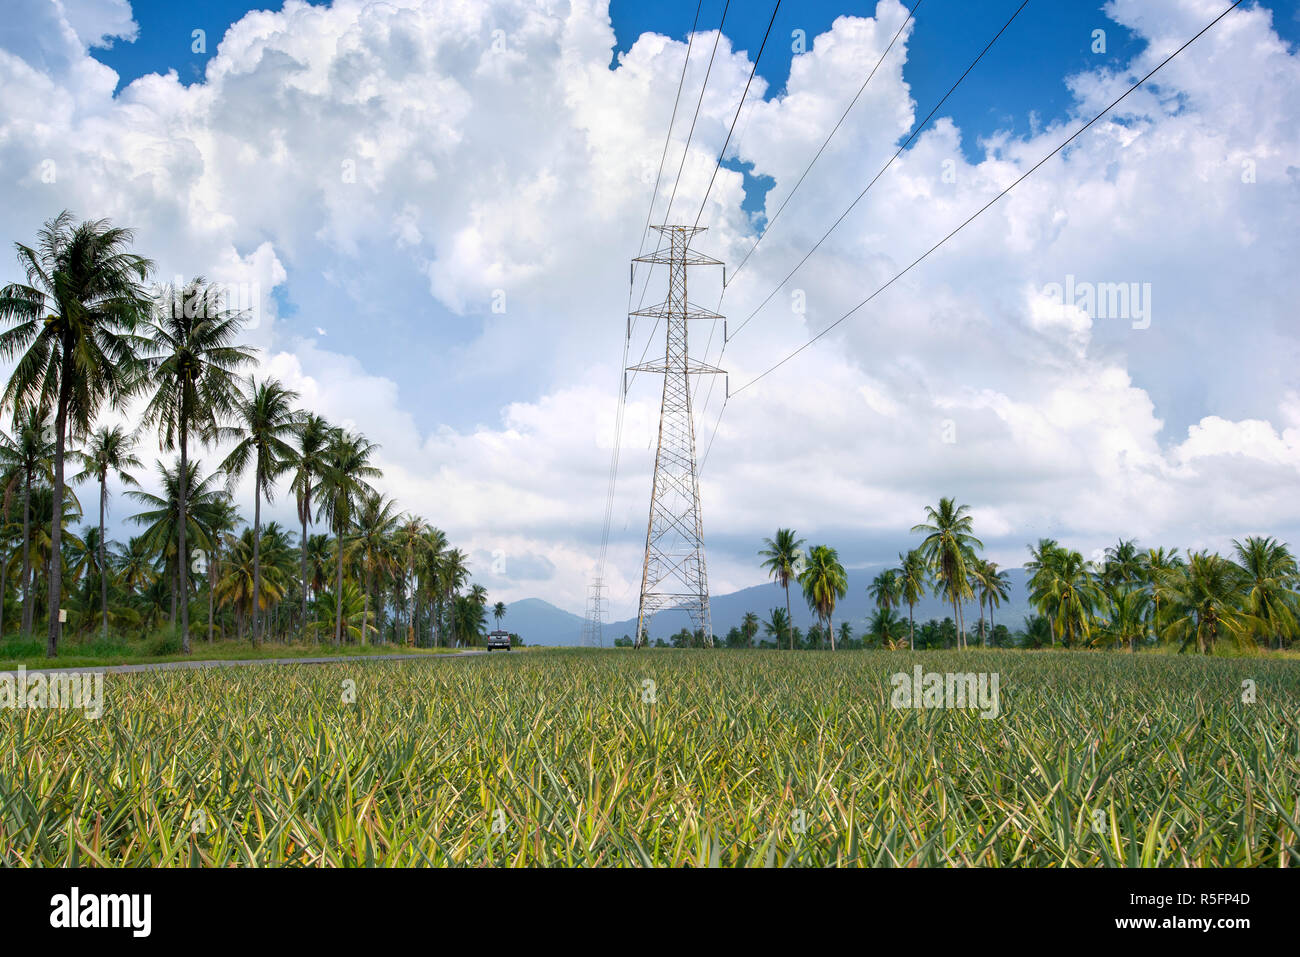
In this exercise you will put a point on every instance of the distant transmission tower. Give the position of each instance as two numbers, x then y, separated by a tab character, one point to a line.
592	636
673	574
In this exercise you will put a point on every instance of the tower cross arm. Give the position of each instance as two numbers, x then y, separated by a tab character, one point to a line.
693	367
663	309
688	258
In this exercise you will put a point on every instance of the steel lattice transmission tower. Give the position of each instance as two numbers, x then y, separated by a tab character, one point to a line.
592	625
673	574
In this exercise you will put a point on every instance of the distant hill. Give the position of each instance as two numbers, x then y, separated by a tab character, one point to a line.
541	623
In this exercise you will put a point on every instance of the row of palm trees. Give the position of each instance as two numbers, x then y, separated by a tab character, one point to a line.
88	338
818	573
945	558
1129	598
1134	596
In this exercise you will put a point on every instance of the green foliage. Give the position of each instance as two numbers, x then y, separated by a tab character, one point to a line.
584	771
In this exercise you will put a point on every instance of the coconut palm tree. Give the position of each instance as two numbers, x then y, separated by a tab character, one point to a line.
25	458
886	627
320	562
471	617
107	452
1123	564
1043	559
948	548
222	521
267	423
246	587
1037	633
884	589
454	570
377	521
9	532
749	628
162	519
192	362
313	438
499	612
782	557
343	481
992	586
1157	567
431	554
911	575
70	326
136	566
1205	600
824	582
409	541
44	526
777	626
1130	615
347	604
1271	575
1065	591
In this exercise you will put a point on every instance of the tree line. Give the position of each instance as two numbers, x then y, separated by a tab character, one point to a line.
1131	598
89	338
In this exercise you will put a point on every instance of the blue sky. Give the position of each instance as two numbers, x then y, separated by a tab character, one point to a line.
1021	80
1019	87
529	173
1022	77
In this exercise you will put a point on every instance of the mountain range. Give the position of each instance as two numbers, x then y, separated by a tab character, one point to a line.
539	622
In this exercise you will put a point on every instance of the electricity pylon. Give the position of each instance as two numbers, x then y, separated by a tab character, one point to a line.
592	625
673	574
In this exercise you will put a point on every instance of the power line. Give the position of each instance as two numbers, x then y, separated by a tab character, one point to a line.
690	41
713	328
916	132
687	148
826	142
616	450
745	93
709	448
680	166
1004	192
708	399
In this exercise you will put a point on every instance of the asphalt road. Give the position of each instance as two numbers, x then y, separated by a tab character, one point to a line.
236	662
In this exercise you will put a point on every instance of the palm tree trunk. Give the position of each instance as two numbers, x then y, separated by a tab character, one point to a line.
911	628
211	589
4	574
28	610
338	594
103	569
789	621
830	626
257	555
56	517
303	516
183	558
365	607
